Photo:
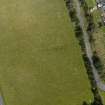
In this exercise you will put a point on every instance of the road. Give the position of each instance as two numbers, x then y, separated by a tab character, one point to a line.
89	52
1	101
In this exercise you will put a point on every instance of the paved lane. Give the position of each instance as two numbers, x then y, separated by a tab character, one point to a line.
89	52
1	101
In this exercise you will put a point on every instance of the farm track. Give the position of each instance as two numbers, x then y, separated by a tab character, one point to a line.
89	52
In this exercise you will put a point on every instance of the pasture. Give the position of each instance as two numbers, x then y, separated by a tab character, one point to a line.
40	59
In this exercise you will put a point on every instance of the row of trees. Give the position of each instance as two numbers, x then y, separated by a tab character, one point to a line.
90	29
89	18
79	36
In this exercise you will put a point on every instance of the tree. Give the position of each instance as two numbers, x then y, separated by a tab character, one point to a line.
85	103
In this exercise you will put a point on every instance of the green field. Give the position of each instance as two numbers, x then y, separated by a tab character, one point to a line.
103	96
91	3
40	59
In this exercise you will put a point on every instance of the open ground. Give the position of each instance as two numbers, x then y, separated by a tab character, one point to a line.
40	59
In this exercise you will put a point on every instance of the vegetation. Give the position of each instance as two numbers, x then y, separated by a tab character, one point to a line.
97	44
79	35
40	60
98	63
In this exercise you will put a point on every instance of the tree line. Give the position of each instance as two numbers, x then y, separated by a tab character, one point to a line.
90	30
79	35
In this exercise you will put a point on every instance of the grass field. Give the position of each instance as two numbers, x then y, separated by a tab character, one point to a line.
91	3
103	96
40	60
